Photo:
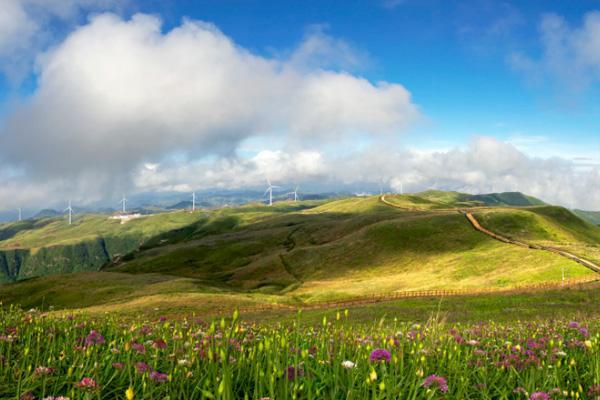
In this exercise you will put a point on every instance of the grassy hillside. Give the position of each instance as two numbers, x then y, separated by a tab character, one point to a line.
548	226
346	248
438	200
291	252
593	217
52	246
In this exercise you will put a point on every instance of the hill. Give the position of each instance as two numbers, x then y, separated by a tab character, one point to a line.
592	217
291	252
52	246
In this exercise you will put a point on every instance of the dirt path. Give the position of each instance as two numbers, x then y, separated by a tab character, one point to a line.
476	225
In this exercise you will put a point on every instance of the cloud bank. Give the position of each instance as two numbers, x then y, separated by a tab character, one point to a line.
108	106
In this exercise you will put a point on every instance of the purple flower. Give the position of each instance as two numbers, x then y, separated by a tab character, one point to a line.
142	367
539	396
573	325
93	338
435	382
159	344
138	347
159	377
380	355
294	373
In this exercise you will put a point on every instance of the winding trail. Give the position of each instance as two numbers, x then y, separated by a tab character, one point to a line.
476	225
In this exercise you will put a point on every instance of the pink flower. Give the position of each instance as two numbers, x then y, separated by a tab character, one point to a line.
87	383
539	396
159	377
41	370
159	344
142	367
436	382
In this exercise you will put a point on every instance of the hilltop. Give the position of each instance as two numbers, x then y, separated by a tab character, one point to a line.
292	252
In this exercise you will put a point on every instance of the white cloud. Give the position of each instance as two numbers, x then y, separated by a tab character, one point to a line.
25	28
109	106
569	55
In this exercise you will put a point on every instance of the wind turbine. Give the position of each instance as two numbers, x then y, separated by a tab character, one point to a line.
19	210
295	193
401	188
70	210
270	191
193	201
124	202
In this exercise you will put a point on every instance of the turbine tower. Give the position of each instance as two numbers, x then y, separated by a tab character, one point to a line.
124	202
20	215
70	210
193	201
270	191
295	193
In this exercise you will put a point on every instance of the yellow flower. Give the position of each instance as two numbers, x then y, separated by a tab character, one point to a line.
129	393
588	344
373	375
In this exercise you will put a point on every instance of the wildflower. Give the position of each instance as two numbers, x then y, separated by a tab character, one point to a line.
159	344
138	347
56	398
41	370
183	362
373	375
435	382
294	373
539	396
594	391
519	390
129	393
159	377
142	367
588	344
94	337
573	325
348	364
87	383
27	396
380	355
118	365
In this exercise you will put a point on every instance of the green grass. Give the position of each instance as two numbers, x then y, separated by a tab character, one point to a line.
296	252
548	226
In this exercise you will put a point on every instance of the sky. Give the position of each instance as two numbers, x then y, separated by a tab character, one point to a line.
104	97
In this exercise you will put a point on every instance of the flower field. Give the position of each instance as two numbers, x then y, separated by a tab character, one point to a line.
77	357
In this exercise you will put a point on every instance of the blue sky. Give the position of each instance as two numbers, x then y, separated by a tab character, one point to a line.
98	97
452	56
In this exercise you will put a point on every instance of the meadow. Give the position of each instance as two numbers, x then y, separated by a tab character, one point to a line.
51	356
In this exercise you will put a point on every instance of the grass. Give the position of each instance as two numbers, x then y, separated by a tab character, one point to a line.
548	226
110	357
305	252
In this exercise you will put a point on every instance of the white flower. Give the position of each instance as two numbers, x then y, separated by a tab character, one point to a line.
348	364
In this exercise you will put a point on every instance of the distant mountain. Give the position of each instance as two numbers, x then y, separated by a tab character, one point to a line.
47	213
507	199
592	217
490	199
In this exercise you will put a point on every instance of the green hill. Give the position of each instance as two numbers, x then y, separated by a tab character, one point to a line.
437	199
52	246
305	251
593	217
